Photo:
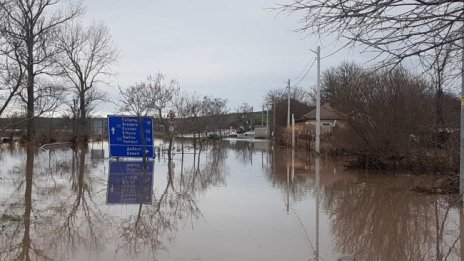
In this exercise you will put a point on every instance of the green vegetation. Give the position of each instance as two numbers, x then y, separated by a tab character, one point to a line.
9	218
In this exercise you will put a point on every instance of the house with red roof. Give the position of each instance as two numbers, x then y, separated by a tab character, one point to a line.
330	118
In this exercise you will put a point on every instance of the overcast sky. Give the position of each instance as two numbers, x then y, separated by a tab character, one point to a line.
231	49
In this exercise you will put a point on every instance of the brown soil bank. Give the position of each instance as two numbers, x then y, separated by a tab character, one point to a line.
446	185
439	163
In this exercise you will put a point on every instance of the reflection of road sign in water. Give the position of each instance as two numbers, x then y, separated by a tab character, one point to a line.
126	136
130	183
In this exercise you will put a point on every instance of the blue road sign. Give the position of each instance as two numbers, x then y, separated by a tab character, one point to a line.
130	183
126	135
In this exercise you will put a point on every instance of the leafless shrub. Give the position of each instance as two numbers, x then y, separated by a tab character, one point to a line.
390	114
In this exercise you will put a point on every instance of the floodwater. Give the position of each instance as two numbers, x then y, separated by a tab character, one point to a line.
242	200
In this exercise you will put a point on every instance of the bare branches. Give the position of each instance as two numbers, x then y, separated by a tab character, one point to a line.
28	32
30	27
11	81
398	30
390	115
85	60
154	96
87	55
296	93
134	100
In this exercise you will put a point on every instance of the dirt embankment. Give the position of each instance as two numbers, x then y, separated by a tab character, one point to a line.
446	185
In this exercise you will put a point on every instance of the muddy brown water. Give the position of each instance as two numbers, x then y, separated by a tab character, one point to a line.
243	200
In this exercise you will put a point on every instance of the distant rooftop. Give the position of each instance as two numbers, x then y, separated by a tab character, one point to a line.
327	113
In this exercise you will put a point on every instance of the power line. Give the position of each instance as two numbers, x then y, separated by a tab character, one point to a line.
335	52
304	69
306	73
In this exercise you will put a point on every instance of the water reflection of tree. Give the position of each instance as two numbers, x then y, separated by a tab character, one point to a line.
244	152
291	175
79	219
154	225
375	224
212	173
16	242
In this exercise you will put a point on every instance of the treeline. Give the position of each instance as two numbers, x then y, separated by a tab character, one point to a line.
51	64
50	61
395	119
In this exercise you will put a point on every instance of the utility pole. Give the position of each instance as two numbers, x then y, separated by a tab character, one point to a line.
461	158
288	106
273	120
262	116
318	102
252	127
293	131
267	121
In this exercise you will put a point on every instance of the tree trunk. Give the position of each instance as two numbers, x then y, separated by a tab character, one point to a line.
170	147
83	118
30	94
439	121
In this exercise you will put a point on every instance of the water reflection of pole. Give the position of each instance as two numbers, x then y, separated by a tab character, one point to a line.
288	188
273	165
461	231
317	206
251	154
262	159
293	166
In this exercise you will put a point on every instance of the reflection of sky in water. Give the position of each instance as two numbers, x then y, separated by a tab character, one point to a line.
239	201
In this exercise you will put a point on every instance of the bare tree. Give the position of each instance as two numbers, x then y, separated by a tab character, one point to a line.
134	100
155	96
49	96
245	115
29	28
297	93
87	56
194	111
397	30
162	93
11	80
215	110
438	62
335	79
391	121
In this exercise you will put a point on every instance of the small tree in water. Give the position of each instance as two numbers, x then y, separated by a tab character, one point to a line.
133	100
155	97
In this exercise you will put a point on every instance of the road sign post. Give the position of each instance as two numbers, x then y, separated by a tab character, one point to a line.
130	136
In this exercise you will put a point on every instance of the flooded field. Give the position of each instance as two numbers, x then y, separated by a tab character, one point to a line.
242	200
